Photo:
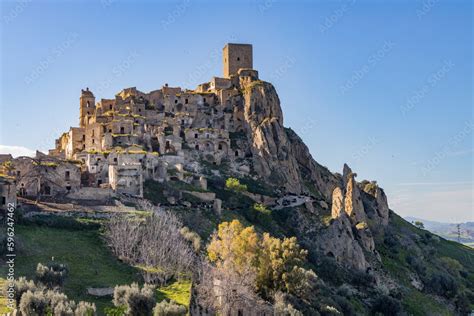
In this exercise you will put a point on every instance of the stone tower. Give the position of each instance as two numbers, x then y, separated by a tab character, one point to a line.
87	107
235	57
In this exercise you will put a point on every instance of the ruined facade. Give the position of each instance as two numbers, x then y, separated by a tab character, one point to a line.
122	141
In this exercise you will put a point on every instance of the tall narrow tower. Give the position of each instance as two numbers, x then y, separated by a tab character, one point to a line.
86	107
235	57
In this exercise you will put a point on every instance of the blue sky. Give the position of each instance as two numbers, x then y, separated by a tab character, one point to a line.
386	88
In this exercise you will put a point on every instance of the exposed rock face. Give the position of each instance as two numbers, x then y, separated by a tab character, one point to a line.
382	205
279	155
353	202
346	172
337	203
312	172
270	146
338	240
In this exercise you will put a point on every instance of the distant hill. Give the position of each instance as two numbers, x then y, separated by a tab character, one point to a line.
448	230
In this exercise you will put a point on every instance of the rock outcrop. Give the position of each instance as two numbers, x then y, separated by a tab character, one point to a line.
382	206
279	155
270	147
338	240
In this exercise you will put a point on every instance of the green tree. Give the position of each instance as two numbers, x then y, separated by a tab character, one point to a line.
234	185
419	224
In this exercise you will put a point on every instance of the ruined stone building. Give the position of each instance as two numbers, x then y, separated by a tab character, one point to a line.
122	141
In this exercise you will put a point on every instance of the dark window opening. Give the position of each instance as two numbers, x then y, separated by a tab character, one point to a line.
99	182
115	159
195	135
4	200
238	58
185	101
204	99
219	147
236	153
67	176
68	188
196	147
175	101
110	107
47	190
122	130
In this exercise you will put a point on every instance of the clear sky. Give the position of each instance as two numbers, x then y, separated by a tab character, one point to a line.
386	88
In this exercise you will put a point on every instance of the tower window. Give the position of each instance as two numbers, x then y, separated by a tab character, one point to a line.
238	58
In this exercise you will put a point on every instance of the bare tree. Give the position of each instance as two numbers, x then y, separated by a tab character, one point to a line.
226	292
154	243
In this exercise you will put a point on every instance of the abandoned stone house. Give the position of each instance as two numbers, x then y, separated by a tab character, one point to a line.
121	142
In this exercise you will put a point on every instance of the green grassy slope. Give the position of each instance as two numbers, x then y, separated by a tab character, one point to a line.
90	263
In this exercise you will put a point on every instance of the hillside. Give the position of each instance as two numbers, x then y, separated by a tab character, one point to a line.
448	230
204	197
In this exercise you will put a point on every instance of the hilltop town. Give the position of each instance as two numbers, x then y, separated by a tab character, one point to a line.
216	164
123	141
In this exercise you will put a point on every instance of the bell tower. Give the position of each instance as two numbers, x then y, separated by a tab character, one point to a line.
86	107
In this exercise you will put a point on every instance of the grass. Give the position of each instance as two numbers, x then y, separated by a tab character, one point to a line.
89	261
179	291
3	300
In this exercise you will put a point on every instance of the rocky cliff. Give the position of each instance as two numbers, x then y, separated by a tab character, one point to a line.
281	158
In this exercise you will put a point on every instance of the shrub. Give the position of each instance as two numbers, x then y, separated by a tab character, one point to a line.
85	309
59	303
34	304
137	301
234	185
192	237
361	278
169	308
283	308
443	284
21	286
452	265
386	305
52	274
